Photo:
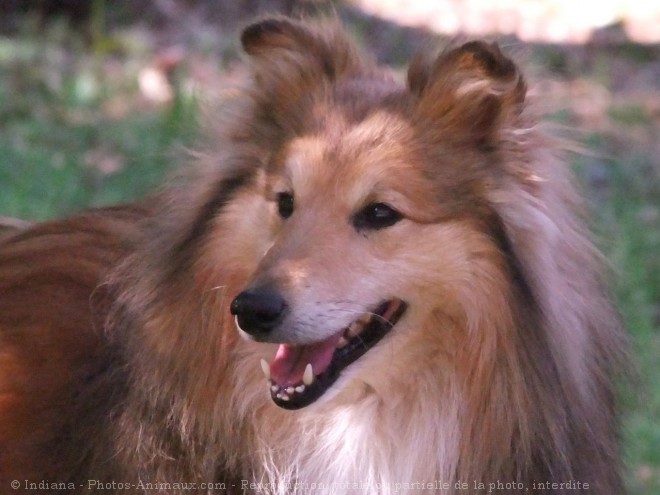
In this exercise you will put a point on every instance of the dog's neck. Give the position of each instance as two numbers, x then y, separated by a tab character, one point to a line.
366	439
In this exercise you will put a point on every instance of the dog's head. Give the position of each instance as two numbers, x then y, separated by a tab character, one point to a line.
365	224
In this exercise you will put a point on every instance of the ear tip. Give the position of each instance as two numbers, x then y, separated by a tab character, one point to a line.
490	58
253	35
481	45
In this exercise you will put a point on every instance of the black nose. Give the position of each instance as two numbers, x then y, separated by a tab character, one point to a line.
258	310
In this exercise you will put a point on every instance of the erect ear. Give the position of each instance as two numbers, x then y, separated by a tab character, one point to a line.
472	90
293	61
321	45
272	33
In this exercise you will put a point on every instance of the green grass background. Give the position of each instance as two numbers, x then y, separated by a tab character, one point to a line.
76	132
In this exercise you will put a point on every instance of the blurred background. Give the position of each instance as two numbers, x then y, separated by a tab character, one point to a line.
98	98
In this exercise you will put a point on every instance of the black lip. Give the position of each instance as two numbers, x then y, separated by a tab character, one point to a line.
373	332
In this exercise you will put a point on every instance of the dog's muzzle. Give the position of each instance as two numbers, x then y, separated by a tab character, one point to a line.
301	373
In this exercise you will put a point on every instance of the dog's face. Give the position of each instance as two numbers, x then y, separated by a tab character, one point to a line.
366	225
362	249
350	228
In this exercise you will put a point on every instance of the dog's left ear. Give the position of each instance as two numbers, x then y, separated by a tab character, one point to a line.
472	90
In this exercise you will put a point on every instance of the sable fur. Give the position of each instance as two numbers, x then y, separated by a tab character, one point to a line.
503	368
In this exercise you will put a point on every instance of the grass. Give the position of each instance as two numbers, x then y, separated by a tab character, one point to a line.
75	131
625	204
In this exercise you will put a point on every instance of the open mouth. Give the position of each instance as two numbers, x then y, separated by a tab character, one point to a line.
300	374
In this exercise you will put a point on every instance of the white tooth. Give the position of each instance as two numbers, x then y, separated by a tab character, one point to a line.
279	396
265	368
289	390
300	389
354	329
342	342
391	309
285	397
274	388
308	376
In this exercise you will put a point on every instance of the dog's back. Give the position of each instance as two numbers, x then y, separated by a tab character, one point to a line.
49	345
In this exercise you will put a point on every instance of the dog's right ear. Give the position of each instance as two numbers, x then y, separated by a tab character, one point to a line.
293	57
319	46
293	62
273	33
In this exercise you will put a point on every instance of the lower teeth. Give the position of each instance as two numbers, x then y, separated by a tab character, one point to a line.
308	376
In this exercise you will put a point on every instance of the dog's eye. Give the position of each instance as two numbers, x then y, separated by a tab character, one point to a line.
285	204
376	216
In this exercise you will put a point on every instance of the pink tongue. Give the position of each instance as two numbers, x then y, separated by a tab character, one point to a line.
291	360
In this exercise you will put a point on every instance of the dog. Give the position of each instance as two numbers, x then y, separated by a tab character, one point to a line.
362	285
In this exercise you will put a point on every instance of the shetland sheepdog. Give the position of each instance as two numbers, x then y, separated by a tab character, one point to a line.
361	285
